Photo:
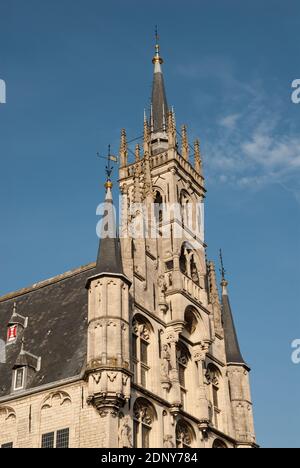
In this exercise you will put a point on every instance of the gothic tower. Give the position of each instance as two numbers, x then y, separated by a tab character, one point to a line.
164	364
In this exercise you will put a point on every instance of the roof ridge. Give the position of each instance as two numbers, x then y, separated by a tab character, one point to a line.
47	282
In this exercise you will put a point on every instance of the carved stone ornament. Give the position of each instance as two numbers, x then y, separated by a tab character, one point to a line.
165	364
125	433
171	336
112	376
168	441
7	414
97	377
143	413
212	377
183	433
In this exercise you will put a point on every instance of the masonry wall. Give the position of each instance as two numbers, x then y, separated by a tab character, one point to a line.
23	421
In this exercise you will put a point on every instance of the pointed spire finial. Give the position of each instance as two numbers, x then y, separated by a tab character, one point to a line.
151	119
164	118
108	170
198	158
146	135
157	58
123	149
137	153
185	143
171	130
15	308
224	282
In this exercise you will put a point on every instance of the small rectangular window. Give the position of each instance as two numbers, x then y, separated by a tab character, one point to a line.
215	397
143	377
62	438
48	440
135	372
8	445
19	378
144	352
134	346
181	372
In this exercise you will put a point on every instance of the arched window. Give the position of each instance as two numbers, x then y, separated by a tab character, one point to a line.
213	377
183	261
188	263
184	435
158	206
143	419
185	207
219	444
140	350
182	357
190	321
194	270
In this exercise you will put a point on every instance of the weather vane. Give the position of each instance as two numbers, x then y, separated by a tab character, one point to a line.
222	269
156	34
109	158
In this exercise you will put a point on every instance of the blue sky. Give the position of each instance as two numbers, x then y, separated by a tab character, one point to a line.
77	72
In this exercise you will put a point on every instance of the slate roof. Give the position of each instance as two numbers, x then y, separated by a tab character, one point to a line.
232	347
159	102
109	258
57	311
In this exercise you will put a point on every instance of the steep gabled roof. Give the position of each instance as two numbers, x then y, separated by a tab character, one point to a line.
57	312
232	347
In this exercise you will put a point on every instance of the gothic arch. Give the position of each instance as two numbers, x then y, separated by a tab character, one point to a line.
214	381
58	398
143	350
158	204
144	420
184	196
185	435
219	444
185	374
190	263
141	319
195	329
7	414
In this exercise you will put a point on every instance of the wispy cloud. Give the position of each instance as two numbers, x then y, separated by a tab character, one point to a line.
254	141
229	121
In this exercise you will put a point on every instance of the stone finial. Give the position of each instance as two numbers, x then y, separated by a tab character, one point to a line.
184	143
146	135
214	298
151	119
123	149
198	158
213	287
137	153
171	130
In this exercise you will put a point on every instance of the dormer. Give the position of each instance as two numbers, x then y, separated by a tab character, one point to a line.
16	323
25	368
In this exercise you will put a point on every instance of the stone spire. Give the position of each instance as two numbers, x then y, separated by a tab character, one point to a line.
109	254
123	149
146	135
184	143
171	130
214	298
233	353
198	159
159	99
